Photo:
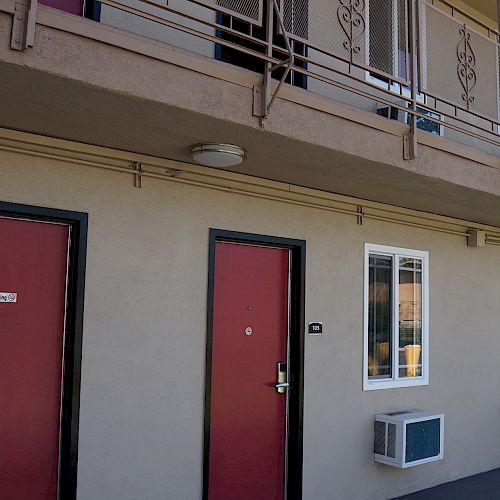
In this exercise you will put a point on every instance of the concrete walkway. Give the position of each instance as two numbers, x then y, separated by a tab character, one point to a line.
484	486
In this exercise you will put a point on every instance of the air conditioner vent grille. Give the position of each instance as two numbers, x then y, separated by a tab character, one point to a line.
379	442
391	440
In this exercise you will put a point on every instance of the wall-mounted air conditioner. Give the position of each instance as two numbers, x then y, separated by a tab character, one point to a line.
407	438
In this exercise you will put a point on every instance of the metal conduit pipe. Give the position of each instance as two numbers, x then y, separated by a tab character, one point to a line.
173	177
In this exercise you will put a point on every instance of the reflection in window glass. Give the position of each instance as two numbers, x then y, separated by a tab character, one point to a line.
380	317
424	123
396	320
410	317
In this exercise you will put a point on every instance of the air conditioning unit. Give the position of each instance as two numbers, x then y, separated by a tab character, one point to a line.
407	438
390	112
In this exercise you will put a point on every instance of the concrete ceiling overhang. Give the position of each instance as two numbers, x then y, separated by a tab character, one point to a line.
78	88
68	109
300	145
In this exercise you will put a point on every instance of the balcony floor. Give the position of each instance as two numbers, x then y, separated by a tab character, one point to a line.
483	486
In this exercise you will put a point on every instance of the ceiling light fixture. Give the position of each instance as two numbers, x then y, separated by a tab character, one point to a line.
212	154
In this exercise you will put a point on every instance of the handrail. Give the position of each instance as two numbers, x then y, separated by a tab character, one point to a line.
346	57
465	14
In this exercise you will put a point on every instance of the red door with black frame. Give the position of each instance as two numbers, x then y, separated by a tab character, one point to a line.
33	276
248	413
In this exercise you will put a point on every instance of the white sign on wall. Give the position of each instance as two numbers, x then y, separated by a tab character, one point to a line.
8	297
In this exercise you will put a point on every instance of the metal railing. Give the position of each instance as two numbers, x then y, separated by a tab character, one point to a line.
425	62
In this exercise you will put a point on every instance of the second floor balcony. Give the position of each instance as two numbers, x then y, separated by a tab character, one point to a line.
395	101
432	64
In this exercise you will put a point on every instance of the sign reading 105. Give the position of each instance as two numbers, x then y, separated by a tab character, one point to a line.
315	328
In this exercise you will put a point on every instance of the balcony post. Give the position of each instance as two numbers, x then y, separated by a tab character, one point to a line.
267	82
23	24
267	98
410	140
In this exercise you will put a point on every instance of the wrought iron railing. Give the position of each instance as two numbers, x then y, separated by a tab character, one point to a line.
424	62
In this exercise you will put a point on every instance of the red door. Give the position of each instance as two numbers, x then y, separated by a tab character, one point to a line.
71	6
33	265
247	414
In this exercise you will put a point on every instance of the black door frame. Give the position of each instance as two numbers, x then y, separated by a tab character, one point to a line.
296	369
72	361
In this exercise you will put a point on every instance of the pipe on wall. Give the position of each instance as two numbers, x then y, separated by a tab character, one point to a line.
283	193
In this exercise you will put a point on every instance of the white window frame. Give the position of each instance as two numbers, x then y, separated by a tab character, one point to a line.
395	381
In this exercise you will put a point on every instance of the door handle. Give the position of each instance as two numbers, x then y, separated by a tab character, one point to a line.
282	384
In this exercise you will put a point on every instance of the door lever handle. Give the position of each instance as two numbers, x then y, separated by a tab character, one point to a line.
282	384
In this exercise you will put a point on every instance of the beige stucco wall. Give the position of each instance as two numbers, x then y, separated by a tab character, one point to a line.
145	322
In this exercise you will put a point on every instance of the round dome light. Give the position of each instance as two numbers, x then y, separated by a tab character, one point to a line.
217	155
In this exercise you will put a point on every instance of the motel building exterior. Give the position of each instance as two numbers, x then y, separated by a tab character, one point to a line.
250	249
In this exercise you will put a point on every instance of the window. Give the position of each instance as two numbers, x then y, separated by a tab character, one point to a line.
396	333
386	37
292	10
386	41
403	116
427	125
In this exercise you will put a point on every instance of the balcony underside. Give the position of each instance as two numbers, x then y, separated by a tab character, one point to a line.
74	88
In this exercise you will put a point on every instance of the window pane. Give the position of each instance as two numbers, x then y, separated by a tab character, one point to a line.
410	317
424	123
379	317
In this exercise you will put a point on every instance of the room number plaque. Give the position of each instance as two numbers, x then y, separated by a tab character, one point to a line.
315	328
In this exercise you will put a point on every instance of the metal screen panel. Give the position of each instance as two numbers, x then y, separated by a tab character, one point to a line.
336	26
296	17
498	80
246	10
371	33
379	437
387	28
458	64
391	440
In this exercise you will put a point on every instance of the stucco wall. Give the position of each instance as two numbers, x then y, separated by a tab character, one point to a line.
145	322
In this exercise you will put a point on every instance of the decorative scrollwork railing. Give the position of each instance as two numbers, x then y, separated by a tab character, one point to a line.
364	49
351	17
466	64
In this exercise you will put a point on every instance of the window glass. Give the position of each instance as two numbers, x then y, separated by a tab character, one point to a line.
71	6
424	123
410	317
380	317
396	317
238	58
